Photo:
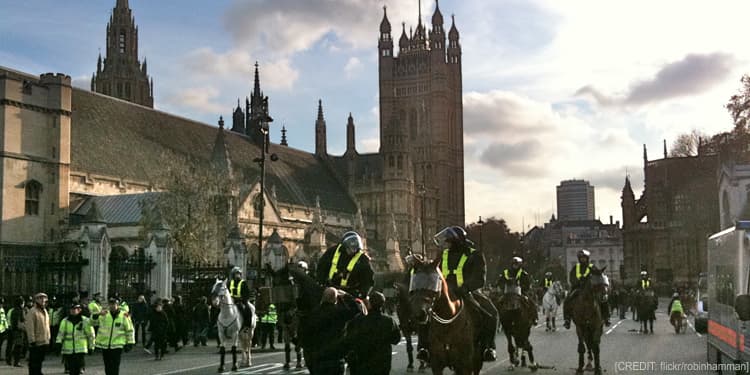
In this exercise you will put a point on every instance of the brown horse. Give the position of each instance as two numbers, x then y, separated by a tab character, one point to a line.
407	325
453	339
516	325
587	316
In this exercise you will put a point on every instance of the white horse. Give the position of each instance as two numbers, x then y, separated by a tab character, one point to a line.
229	325
550	304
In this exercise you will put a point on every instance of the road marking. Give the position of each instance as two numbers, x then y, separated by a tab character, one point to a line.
693	328
614	326
216	364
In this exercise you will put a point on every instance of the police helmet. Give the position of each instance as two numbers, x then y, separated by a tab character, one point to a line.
302	264
235	270
584	253
548	273
449	236
644	273
516	262
676	295
352	242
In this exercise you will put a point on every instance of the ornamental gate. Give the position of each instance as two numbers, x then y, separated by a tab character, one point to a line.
193	280
129	275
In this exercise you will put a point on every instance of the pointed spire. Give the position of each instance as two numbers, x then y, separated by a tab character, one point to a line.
283	136
645	155
256	86
350	144
419	6
437	17
453	33
665	149
385	25
320	110
220	154
144	66
122	4
403	42
99	63
93	82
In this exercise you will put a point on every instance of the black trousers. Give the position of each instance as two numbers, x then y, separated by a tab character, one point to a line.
36	357
3	337
140	327
75	362
112	361
160	345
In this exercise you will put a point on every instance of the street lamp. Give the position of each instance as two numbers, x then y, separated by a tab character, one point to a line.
481	225
264	120
421	191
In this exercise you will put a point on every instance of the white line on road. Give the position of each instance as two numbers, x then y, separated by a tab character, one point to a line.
614	326
254	356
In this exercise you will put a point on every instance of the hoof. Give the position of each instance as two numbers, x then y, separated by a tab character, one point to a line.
511	368
221	369
234	368
533	367
598	371
589	367
579	372
298	367
410	369
286	366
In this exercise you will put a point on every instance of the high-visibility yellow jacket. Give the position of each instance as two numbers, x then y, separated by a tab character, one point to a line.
76	338
3	320
270	316
115	333
94	309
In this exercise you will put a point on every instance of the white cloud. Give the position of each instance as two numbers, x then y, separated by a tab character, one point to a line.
353	67
236	63
82	82
200	99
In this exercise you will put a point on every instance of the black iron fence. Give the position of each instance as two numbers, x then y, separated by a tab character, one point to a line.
193	280
130	276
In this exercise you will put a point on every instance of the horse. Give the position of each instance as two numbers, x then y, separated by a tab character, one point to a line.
453	336
229	325
516	325
647	304
407	325
283	295
550	304
587	316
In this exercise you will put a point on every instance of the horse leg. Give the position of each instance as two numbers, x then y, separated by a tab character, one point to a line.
234	357
287	349
597	363
298	350
222	351
511	349
581	350
651	324
409	350
530	349
589	357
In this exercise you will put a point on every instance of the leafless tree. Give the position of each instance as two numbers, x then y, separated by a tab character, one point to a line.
687	144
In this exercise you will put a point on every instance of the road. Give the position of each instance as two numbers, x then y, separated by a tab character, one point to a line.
556	351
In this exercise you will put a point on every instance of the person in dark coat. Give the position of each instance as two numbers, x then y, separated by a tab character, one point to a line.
18	341
182	320
322	334
172	336
346	266
370	337
159	326
200	318
139	313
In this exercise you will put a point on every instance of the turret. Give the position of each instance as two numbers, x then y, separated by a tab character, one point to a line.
403	42
627	202
437	35
283	136
350	143
385	44
454	47
238	119
320	133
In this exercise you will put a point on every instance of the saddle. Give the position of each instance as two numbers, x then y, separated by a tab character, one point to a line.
511	298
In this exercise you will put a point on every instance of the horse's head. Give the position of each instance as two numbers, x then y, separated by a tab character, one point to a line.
426	285
557	288
599	283
219	292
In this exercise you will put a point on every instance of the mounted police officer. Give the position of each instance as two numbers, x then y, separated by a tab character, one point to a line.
346	266
516	275
577	277
240	292
548	281
645	282
465	272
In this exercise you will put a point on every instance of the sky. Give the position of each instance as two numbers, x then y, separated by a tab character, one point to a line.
552	90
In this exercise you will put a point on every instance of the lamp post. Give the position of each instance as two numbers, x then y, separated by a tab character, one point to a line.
264	120
481	225
421	191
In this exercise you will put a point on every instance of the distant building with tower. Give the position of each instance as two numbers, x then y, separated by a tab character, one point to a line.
575	200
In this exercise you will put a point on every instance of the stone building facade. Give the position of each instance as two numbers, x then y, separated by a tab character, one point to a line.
666	228
78	166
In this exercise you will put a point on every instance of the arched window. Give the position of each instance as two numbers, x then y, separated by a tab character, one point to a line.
33	192
122	42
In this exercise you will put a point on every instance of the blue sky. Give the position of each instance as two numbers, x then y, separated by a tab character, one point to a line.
552	91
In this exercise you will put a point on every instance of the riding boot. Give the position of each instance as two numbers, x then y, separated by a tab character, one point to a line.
567	307
605	313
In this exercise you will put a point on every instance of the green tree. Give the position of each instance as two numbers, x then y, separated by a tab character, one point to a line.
498	243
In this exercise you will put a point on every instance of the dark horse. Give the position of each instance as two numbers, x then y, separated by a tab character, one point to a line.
647	304
516	325
453	339
307	296
587	316
284	295
407	325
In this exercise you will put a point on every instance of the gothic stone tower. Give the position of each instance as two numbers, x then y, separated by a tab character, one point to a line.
421	125
122	75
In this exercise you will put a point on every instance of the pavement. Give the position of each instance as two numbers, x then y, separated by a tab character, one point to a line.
623	350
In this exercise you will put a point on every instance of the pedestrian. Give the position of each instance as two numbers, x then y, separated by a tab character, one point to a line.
172	335
55	317
159	326
182	320
18	340
140	319
4	328
200	318
95	309
370	337
76	338
38	333
115	335
322	336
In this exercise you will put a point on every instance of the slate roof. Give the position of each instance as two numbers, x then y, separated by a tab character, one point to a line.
116	138
115	209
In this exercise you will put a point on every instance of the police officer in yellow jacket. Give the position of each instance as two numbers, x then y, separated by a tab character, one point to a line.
268	325
346	266
577	277
240	292
116	334
465	273
76	339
